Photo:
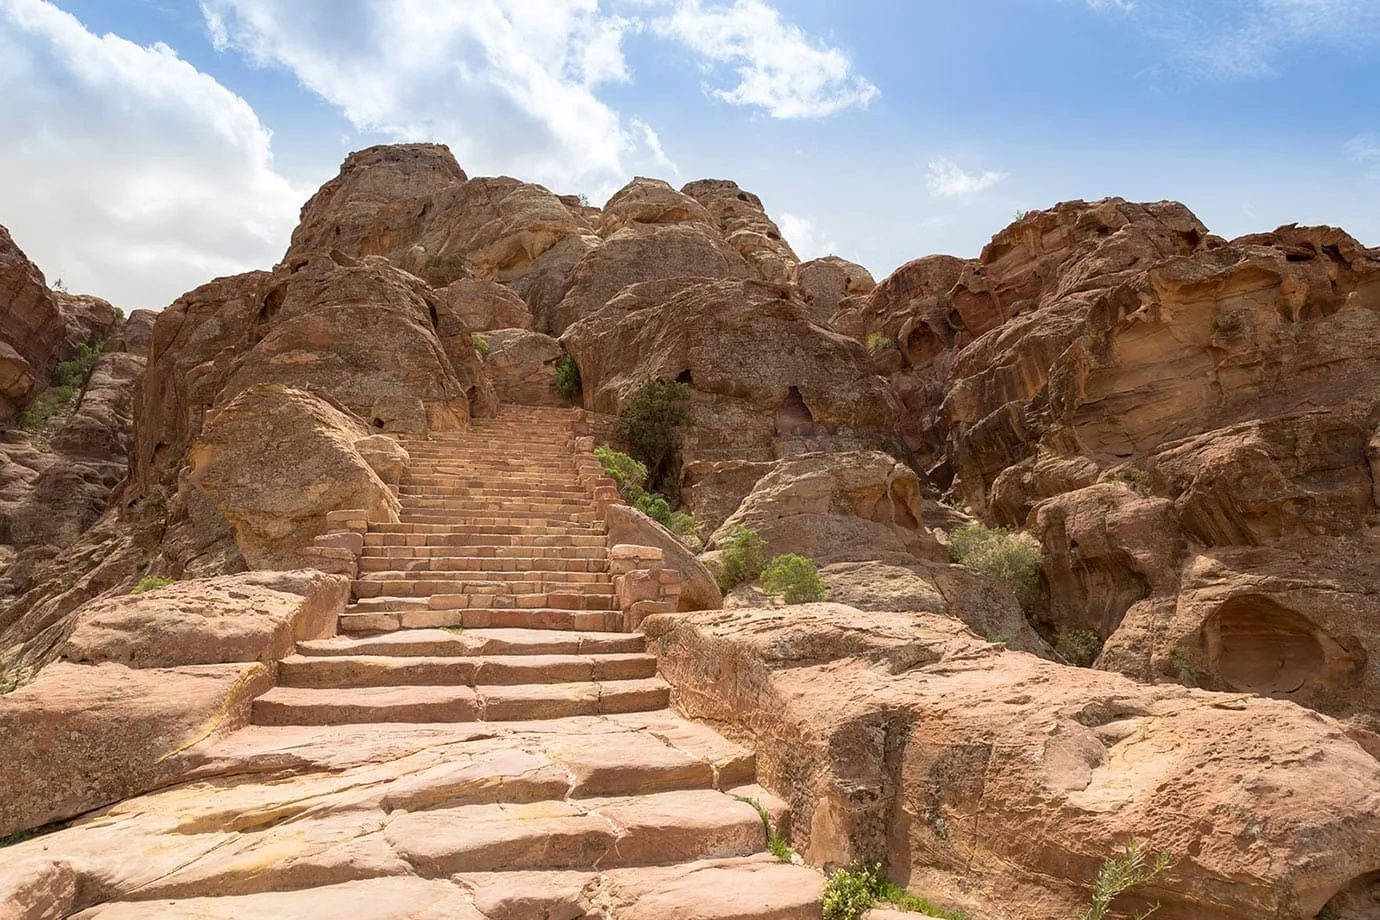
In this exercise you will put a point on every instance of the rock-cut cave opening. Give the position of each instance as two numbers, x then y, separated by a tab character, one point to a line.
1258	646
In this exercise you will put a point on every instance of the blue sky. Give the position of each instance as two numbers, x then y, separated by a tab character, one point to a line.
154	144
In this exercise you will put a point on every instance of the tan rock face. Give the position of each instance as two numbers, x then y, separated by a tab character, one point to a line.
478	306
999	777
643	253
275	461
649	201
846	507
830	281
32	327
255	616
80	737
744	223
764	381
522	367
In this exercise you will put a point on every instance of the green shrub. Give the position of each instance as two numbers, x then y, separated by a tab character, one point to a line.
683	526
1122	872
446	268
655	507
778	847
622	469
1135	477
1182	660
743	558
880	341
850	893
1079	647
481	345
1004	553
652	419
793	578
71	375
152	583
45	407
568	383
119	313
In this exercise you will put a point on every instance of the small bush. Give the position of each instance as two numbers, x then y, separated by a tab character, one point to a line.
622	469
1003	553
1135	477
652	419
481	345
1182	660
850	893
880	341
684	527
568	383
1130	868
584	201
446	268
655	507
44	408
119	313
71	375
152	583
1079	647
743	558
778	847
794	579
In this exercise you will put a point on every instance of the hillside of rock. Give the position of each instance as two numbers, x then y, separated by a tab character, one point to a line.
1173	437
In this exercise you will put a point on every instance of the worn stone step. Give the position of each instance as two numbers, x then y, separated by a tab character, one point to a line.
440	486
388	671
488	642
499	594
474	526
460	536
415	562
660	828
438	498
387	614
516	511
516	554
359	705
758	887
477	581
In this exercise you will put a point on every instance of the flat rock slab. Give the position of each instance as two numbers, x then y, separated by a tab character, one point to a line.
371	899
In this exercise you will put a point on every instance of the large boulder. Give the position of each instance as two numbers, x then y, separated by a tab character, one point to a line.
859	506
649	201
276	460
253	616
829	282
699	590
478	306
32	328
999	782
522	367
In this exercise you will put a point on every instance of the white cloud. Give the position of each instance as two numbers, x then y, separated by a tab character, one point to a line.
508	84
805	237
778	67
141	176
947	179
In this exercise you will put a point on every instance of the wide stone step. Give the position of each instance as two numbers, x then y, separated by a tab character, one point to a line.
386	614
543	523
433	643
415	562
437	485
479	536
476	671
508	528
516	510
758	887
426	497
460	593
484	581
660	828
514	554
360	705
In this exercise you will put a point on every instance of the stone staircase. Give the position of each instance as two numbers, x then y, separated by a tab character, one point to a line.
491	602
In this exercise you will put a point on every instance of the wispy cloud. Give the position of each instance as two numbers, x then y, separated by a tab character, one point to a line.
1243	39
949	180
1365	150
778	68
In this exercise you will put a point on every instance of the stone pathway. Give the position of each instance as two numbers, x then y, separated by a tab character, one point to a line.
481	745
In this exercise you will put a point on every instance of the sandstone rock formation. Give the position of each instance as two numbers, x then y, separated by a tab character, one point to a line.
744	223
998	782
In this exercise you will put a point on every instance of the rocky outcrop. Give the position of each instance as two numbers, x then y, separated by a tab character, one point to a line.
642	254
275	461
698	590
649	201
744	223
478	306
832	284
838	507
998	782
32	329
522	367
764	381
